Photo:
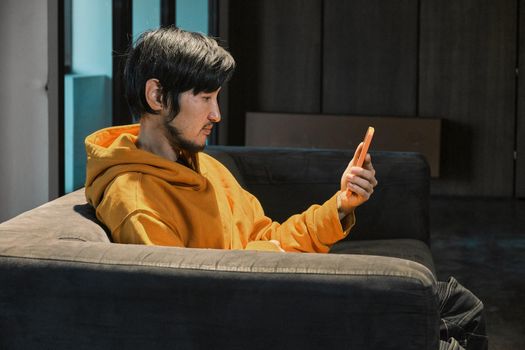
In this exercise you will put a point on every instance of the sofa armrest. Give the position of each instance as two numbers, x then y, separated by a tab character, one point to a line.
287	181
65	218
70	294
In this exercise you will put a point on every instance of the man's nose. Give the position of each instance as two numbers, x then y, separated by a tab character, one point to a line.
215	114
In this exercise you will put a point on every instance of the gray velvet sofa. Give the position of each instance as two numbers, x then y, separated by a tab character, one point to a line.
64	285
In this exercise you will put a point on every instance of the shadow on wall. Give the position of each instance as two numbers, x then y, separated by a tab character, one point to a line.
457	151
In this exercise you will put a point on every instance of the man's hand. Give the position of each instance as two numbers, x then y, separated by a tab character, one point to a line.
269	246
357	184
277	243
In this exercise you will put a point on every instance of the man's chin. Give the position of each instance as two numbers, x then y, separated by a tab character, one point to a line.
200	148
192	147
178	143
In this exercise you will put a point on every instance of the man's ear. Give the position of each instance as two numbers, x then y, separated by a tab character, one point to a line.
153	93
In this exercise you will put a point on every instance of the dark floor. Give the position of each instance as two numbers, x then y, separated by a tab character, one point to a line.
481	242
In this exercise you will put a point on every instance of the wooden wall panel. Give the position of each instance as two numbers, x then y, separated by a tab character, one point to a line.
399	134
370	57
520	120
467	77
277	46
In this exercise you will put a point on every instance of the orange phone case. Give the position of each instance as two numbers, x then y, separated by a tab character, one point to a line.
366	144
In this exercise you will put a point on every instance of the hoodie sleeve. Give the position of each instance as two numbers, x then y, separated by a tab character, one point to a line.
315	230
143	227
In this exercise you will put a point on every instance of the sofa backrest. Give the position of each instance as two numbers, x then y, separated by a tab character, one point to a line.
287	181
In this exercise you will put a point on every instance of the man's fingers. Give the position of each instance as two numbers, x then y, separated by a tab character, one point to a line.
360	191
358	150
356	155
369	175
367	164
278	244
366	184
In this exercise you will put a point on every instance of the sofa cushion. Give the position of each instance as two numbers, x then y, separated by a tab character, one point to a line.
409	249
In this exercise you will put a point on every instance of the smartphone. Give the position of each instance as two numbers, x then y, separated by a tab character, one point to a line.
366	144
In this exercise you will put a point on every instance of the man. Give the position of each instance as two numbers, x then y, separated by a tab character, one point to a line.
150	184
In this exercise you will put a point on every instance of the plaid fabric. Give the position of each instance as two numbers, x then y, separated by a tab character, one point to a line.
462	323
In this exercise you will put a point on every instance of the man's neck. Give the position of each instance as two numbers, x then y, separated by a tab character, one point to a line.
152	137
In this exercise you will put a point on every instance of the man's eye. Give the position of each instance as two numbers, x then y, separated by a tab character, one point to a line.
206	98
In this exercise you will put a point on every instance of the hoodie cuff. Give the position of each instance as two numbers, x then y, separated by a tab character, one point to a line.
339	228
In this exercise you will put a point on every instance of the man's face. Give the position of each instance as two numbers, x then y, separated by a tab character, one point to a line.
194	122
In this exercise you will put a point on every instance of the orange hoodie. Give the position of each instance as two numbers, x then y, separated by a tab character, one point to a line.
147	199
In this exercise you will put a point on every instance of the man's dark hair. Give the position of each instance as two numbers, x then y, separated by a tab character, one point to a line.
180	60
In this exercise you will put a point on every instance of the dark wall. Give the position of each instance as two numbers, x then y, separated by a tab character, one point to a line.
370	57
467	76
520	116
455	60
277	47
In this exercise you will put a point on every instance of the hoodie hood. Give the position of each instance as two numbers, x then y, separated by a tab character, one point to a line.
113	151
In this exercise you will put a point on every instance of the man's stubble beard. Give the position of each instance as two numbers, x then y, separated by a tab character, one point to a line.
178	143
